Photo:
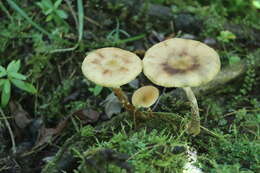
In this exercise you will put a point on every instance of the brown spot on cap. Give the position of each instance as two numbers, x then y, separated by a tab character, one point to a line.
107	72
127	61
172	71
100	54
184	53
95	61
123	69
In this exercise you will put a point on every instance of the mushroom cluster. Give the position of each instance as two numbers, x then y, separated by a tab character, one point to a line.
171	63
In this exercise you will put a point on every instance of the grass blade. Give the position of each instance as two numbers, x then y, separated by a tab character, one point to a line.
22	13
80	28
80	19
2	7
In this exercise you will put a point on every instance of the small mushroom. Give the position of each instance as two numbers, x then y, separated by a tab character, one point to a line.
145	96
182	63
112	67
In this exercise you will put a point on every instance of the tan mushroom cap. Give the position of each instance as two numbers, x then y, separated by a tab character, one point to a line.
180	63
145	96
111	67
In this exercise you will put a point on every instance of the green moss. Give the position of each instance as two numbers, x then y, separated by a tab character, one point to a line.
147	151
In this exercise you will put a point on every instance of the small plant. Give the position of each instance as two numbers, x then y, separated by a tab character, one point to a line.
114	35
233	59
10	76
256	4
226	36
96	90
51	10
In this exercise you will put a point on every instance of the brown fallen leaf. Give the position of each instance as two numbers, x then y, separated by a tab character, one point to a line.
112	105
87	116
21	117
46	135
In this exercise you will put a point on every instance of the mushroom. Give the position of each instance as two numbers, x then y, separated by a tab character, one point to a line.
112	67
145	96
182	63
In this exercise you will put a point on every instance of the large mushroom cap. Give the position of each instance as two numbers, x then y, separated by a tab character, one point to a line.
180	63
111	67
145	96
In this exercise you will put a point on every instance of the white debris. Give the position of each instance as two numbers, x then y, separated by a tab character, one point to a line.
192	158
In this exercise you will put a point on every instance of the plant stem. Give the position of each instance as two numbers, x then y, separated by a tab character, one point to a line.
127	105
124	100
194	125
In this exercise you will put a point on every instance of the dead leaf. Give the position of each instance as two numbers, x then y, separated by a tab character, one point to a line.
112	105
88	116
134	83
21	117
71	97
46	135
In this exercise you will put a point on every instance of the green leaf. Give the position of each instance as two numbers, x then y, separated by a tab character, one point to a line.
233	60
57	3
226	36
62	14
49	11
96	90
49	18
24	86
47	3
2	82
2	72
6	93
13	66
6	86
17	75
256	4
39	4
2	68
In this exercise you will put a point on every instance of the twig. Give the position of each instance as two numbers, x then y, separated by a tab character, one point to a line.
9	129
93	21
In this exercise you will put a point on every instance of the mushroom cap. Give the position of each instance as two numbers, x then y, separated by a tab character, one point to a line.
145	96
180	63
111	67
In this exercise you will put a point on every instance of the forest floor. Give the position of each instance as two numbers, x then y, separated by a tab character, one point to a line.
55	120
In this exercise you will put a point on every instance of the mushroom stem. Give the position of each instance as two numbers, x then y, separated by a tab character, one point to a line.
194	125
124	100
